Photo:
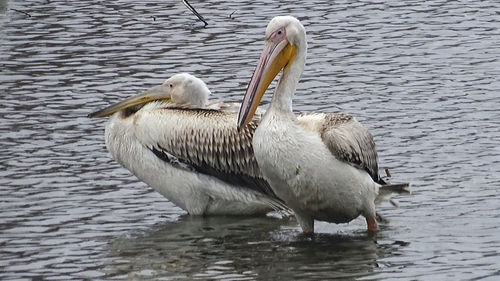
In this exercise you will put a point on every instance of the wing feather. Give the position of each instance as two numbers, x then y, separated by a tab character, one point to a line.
205	139
349	141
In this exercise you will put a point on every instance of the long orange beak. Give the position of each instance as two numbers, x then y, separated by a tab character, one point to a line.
156	93
273	59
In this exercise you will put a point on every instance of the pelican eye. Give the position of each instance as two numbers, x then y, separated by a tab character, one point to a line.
171	85
279	32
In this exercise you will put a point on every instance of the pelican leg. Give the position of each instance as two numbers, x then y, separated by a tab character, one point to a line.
372	224
306	222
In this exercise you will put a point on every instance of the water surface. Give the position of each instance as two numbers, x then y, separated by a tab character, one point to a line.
423	76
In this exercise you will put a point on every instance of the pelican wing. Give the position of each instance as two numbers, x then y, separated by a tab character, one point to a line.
349	141
204	140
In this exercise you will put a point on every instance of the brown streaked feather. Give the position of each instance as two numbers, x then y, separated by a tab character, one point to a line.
205	139
349	141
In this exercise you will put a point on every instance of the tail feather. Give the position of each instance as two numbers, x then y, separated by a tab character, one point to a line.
278	206
401	188
386	191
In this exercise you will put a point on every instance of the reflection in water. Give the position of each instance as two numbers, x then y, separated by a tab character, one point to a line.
225	247
4	4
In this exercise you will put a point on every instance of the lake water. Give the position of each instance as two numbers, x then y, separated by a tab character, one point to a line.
423	76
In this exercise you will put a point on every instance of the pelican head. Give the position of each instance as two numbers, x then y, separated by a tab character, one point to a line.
187	90
183	89
285	49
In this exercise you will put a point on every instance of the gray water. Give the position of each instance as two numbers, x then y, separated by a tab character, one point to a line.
423	76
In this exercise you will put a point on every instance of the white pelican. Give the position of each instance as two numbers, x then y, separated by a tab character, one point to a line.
324	166
192	155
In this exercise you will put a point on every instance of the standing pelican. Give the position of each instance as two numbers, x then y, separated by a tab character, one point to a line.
324	166
193	155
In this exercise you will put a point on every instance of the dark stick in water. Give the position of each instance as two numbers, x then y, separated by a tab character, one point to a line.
186	3
19	11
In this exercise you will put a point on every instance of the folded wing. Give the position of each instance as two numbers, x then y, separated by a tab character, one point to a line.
204	140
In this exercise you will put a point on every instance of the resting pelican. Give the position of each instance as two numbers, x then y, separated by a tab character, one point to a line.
324	166
191	154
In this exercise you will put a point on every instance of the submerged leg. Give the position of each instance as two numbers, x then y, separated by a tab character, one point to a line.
370	215
306	222
371	223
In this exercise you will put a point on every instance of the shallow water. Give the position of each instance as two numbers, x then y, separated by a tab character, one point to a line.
423	76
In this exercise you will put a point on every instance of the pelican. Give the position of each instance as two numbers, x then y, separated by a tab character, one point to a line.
188	150
323	166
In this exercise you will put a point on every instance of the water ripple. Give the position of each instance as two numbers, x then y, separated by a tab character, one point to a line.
421	75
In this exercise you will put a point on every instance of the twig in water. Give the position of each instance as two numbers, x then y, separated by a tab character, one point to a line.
22	12
387	173
186	3
231	15
394	203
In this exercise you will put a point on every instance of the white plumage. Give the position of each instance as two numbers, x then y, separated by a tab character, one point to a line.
188	151
324	166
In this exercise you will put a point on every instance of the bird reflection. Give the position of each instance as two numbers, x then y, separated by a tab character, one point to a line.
229	247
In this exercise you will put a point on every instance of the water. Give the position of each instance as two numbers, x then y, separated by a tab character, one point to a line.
422	75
